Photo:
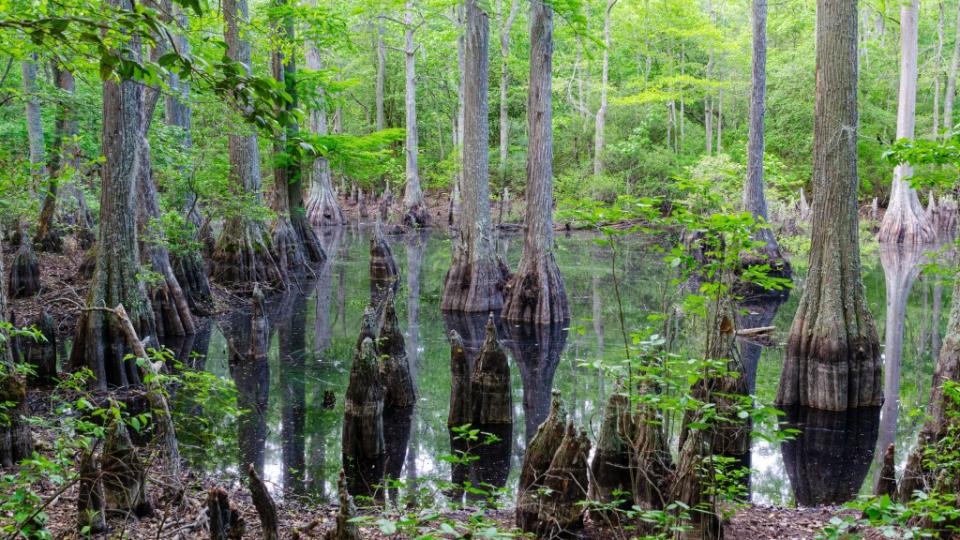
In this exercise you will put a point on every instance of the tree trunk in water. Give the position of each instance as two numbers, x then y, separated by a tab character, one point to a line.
415	211
459	412
754	200
364	451
243	253
98	342
536	460
951	92
395	366
475	281
295	243
833	353
536	293
601	120
506	24
323	208
565	482
905	220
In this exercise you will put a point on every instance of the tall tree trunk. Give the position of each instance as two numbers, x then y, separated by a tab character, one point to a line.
323	208
601	120
536	293
295	243
38	165
99	343
381	77
905	220
951	91
47	238
938	74
754	200
506	24
475	281
415	211
833	351
243	253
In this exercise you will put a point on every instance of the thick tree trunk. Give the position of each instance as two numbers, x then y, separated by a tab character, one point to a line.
599	136
38	163
951	91
243	253
506	24
905	221
394	366
754	200
475	281
690	487
323	208
47	237
98	343
414	209
833	352
536	293
381	77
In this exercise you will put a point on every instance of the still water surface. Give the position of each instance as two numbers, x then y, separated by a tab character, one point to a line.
292	401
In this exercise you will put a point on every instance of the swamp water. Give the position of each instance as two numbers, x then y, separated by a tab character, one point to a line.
291	402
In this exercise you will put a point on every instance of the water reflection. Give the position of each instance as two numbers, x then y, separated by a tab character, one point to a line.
536	352
291	329
830	458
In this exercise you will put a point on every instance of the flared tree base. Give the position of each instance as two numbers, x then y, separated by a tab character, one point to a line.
473	286
536	293
416	216
242	257
24	272
904	224
323	210
16	443
191	273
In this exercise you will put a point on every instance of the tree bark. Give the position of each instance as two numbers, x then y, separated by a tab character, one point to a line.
243	253
266	508
506	24
536	460
536	293
47	237
905	221
833	352
951	91
601	118
381	77
475	281
364	451
38	164
565	482
323	208
415	211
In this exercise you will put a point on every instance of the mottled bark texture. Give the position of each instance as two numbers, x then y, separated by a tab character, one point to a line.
905	220
98	342
16	443
887	479
394	364
384	273
295	243
754	199
833	351
415	212
459	412
690	487
535	293
536	460
506	24
24	279
124	475
610	468
323	208
364	451
475	281
226	523
942	411
243	256
565	483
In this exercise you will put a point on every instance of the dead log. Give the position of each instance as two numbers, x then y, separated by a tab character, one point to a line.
266	508
363	447
42	352
394	364
887	481
611	462
24	277
565	482
124	475
384	274
536	460
226	523
16	442
343	529
90	500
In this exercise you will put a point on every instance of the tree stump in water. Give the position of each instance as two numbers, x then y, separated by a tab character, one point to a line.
266	508
459	413
611	463
226	523
362	206
565	482
384	274
492	409
343	529
394	365
90	500
363	443
24	278
536	460
42	352
124	475
16	442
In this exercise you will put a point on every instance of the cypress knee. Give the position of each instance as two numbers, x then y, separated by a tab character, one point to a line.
362	440
42	352
124	475
395	366
90	501
266	508
226	523
16	442
689	487
343	529
536	460
459	413
565	482
611	462
384	274
24	278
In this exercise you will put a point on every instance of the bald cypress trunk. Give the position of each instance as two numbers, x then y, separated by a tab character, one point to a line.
599	139
475	281
833	351
536	293
415	210
565	483
951	92
38	165
506	24
46	237
905	220
99	344
243	253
